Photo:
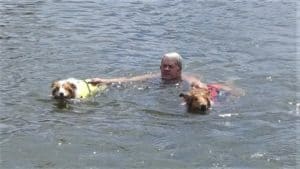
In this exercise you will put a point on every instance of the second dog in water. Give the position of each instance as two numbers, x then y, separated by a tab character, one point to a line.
72	88
197	100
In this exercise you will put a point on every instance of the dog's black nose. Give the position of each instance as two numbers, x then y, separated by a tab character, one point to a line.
203	107
61	94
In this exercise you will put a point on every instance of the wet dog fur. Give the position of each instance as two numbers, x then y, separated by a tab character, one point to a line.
197	100
72	88
63	89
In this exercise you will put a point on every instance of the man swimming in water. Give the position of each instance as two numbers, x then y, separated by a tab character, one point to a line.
170	71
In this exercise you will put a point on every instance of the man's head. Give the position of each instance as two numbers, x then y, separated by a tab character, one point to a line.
171	66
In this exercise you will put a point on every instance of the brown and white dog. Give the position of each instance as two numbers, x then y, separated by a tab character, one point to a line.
75	89
197	99
200	99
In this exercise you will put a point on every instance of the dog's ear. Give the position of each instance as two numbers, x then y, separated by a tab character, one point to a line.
186	97
208	103
54	84
73	85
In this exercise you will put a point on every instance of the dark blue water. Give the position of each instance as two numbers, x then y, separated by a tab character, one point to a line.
252	44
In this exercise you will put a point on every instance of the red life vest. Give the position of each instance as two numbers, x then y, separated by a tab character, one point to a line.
214	90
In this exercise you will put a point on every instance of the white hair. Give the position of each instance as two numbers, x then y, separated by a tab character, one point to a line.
175	56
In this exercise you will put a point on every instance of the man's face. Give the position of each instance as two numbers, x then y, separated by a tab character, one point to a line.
170	70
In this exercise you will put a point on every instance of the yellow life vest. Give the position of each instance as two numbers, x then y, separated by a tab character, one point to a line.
85	90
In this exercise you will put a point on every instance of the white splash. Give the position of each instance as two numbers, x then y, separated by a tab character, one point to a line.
228	114
258	155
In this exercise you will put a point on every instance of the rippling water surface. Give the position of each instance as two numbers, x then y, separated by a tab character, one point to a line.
252	44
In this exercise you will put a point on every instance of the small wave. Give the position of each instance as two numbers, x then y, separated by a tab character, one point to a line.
258	155
296	110
228	115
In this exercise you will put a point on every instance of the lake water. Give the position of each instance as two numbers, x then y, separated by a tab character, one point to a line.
252	44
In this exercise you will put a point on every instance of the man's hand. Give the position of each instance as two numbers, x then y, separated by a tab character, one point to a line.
95	81
198	84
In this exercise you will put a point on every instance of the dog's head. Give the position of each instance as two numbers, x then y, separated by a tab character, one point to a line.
197	100
63	89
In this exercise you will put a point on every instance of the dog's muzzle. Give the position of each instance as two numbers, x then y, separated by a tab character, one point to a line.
60	95
203	108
